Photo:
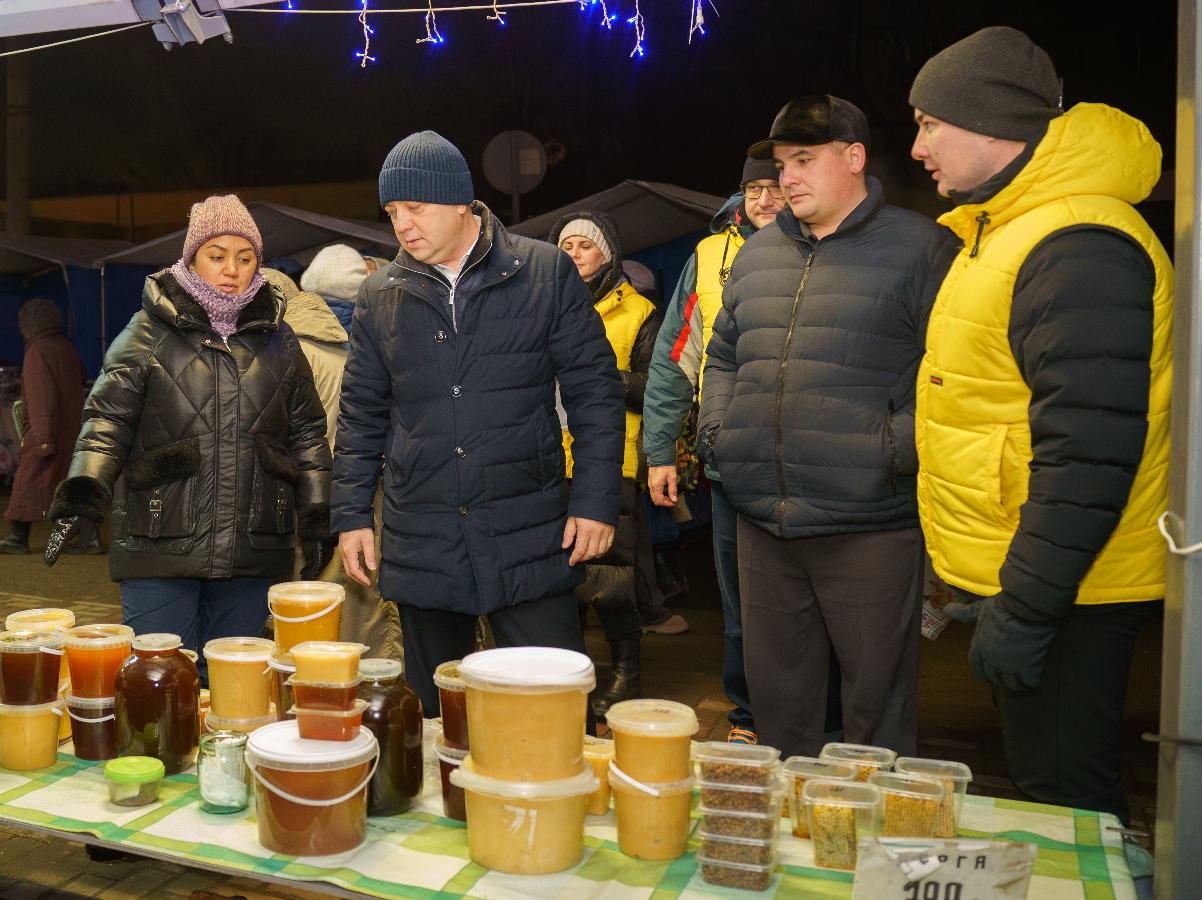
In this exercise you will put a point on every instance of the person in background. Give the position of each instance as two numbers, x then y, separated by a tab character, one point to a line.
366	617
52	379
631	324
674	384
1043	402
456	350
205	438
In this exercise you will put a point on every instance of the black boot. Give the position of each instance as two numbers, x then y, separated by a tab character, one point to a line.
625	677
17	539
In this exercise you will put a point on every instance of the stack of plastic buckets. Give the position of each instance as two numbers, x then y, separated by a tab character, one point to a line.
451	747
300	611
651	776
94	654
30	707
239	684
526	782
48	619
326	690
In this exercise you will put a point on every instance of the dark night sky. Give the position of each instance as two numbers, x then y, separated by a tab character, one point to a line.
288	103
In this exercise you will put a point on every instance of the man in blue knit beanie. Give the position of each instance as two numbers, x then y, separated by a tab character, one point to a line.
456	352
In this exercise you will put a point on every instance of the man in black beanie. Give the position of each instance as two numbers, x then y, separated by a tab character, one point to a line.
1043	402
456	350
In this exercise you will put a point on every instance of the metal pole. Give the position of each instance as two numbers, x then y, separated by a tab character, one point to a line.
1179	789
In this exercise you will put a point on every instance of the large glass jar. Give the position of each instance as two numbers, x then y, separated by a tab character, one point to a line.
394	716
158	699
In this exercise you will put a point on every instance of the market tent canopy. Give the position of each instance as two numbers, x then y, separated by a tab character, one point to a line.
285	229
35	16
22	254
646	213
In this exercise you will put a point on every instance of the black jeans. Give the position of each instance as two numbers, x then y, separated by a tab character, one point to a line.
432	636
1064	739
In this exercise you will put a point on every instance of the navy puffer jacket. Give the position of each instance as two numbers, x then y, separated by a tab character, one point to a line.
462	414
808	411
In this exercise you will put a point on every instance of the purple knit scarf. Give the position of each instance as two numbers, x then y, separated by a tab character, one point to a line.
222	309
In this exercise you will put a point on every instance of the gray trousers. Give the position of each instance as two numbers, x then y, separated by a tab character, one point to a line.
859	595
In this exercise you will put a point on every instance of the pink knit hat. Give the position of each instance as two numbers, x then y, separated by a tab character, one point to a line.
220	215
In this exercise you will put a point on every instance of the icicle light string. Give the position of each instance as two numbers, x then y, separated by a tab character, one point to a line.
364	55
639	30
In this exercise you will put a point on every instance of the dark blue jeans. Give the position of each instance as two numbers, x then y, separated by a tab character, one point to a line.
726	563
196	610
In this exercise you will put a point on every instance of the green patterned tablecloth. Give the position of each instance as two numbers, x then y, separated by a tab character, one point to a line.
423	855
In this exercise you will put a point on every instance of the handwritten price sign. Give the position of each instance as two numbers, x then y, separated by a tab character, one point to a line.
889	869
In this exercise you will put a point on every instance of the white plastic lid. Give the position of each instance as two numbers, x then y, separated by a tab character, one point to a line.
528	670
280	746
908	785
378	669
329	649
583	782
108	703
307	591
99	637
446	676
239	649
30	641
452	756
33	709
809	767
157	641
841	793
757	756
653	718
37	619
933	768
860	754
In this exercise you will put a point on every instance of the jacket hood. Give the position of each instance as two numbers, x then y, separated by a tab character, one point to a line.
310	317
731	213
163	298
1093	149
608	275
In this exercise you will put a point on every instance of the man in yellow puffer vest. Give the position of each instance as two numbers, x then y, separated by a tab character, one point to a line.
1043	402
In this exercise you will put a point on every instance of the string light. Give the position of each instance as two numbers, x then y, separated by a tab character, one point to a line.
498	15
697	22
433	35
364	55
639	30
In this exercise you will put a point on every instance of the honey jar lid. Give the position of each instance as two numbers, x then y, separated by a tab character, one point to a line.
239	649
446	676
40	619
376	669
528	670
99	637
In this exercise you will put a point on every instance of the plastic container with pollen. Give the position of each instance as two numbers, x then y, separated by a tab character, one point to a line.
330	724
652	819
29	735
526	710
239	679
954	777
310	796
305	611
453	701
525	827
652	739
327	662
94	654
30	663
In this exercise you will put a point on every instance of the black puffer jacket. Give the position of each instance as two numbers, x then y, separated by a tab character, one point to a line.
462	414
213	453
808	410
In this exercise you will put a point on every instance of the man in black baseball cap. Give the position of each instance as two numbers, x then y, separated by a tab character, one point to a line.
807	415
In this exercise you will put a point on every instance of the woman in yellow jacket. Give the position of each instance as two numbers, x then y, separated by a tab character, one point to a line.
631	324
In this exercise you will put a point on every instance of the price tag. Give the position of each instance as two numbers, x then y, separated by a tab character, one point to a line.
892	869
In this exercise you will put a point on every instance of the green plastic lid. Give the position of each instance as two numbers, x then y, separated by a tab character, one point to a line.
134	769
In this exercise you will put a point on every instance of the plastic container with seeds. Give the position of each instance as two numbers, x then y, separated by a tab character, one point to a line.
729	823
841	812
800	769
756	851
910	804
749	764
743	797
866	759
744	876
954	777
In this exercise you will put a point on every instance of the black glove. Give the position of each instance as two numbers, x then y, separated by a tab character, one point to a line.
706	441
1007	650
317	553
64	531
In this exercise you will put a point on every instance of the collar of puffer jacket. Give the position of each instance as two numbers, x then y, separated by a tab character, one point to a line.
164	298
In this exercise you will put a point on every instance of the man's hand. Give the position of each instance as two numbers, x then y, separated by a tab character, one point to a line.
1007	650
661	484
64	530
353	543
592	539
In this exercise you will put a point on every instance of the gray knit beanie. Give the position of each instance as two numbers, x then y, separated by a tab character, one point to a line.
426	168
759	169
995	82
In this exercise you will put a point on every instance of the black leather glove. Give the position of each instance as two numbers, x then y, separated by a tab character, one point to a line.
317	553
63	532
1007	650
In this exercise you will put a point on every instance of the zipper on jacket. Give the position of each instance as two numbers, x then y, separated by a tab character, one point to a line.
982	221
450	287
780	392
